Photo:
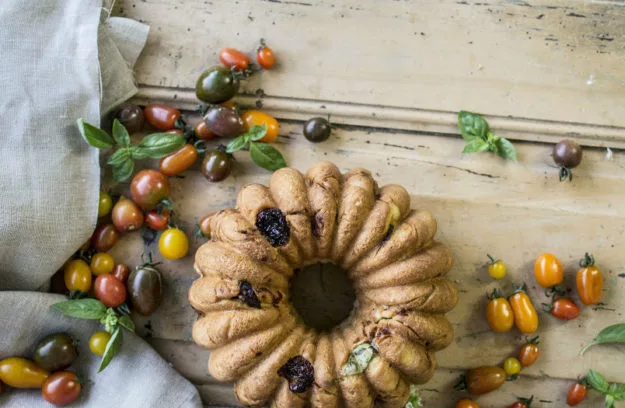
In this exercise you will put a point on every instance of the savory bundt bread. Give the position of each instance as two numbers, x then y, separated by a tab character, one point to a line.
388	250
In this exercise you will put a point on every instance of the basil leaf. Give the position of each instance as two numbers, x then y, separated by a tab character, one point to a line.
609	402
597	382
120	134
123	171
94	136
476	145
236	144
82	308
358	359
158	145
127	322
618	391
257	132
414	401
120	156
266	156
112	348
472	125
611	334
506	149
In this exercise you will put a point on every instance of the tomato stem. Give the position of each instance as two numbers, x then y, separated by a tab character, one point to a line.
566	173
492	260
588	260
461	385
533	340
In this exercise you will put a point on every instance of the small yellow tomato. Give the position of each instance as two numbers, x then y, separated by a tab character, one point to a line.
105	204
19	372
497	270
173	244
512	366
77	275
98	342
102	263
258	118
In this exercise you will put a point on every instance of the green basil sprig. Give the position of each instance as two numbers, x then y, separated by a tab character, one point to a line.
263	154
414	400
112	321
611	334
612	391
359	359
474	129
154	146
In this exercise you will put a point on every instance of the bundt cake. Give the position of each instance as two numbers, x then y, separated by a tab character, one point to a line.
388	250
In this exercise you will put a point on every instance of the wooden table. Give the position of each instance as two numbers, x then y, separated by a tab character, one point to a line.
393	74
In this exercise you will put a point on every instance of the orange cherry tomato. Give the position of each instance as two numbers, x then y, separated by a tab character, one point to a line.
548	271
483	380
577	393
467	403
589	281
77	275
265	57
126	215
564	309
499	313
202	131
161	116
178	161
157	222
230	57
19	372
529	352
258	118
525	316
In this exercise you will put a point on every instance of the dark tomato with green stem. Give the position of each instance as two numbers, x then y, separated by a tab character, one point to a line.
131	116
577	393
104	237
564	309
178	161
567	154
121	272
265	56
317	130
224	121
55	352
233	58
61	388
162	117
109	290
145	289
126	215
202	132
216	85
216	165
149	188
483	380
156	221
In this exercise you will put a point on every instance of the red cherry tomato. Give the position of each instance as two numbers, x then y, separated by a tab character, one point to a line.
178	161
577	393
61	388
265	57
126	215
161	116
564	309
230	57
121	272
157	222
109	290
104	237
148	188
202	131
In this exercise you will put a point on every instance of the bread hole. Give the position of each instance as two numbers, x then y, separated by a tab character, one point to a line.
322	294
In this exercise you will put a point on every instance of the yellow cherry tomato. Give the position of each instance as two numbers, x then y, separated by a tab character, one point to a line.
512	366
98	342
525	316
105	204
102	263
173	244
77	275
22	373
496	269
254	117
499	313
548	270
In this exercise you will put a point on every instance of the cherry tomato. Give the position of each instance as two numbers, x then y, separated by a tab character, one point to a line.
145	288
216	85
523	403
216	165
86	245
109	290
121	272
258	118
317	130
567	153
202	132
161	116
155	221
230	57
589	281
148	188
205	225
525	316
77	275
467	403
173	244
564	309
98	342
499	313
178	161
55	352
104	238
224	121
529	352
19	372
577	393
61	388
102	263
105	204
548	271
178	132
512	366
483	380
265	56
131	116
127	216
